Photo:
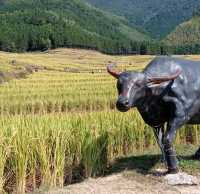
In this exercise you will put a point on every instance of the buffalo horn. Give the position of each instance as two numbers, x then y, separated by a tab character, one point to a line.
158	80
112	72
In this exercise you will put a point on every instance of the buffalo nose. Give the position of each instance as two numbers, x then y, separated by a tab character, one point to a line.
126	103
123	102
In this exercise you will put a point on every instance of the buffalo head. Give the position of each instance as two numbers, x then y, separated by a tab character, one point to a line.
132	86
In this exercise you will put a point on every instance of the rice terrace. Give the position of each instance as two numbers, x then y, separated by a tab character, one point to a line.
59	124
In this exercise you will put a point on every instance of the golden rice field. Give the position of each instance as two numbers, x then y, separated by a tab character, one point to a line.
59	123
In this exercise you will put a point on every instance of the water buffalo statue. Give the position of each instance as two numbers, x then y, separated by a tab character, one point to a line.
167	92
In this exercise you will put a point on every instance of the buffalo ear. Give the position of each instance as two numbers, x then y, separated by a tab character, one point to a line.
113	72
155	81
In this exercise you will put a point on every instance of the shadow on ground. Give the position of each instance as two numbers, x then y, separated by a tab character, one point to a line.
145	164
141	164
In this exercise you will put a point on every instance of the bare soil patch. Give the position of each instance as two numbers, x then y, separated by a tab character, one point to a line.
127	182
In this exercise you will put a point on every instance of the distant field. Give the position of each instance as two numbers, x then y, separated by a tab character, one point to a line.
58	122
72	80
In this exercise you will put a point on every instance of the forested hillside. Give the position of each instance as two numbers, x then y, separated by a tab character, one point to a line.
158	17
186	37
40	24
28	25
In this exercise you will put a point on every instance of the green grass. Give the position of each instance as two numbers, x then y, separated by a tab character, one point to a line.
149	161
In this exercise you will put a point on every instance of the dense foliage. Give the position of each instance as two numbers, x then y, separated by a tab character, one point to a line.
158	17
41	24
185	39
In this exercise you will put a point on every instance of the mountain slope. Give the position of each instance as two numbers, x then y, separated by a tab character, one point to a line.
40	24
157	17
186	33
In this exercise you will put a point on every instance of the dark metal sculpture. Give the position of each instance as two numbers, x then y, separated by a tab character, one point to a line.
166	91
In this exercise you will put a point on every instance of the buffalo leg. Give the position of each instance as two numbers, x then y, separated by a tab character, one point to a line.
178	119
159	135
170	154
197	154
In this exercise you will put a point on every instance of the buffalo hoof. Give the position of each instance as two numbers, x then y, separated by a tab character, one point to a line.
172	171
196	156
162	160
